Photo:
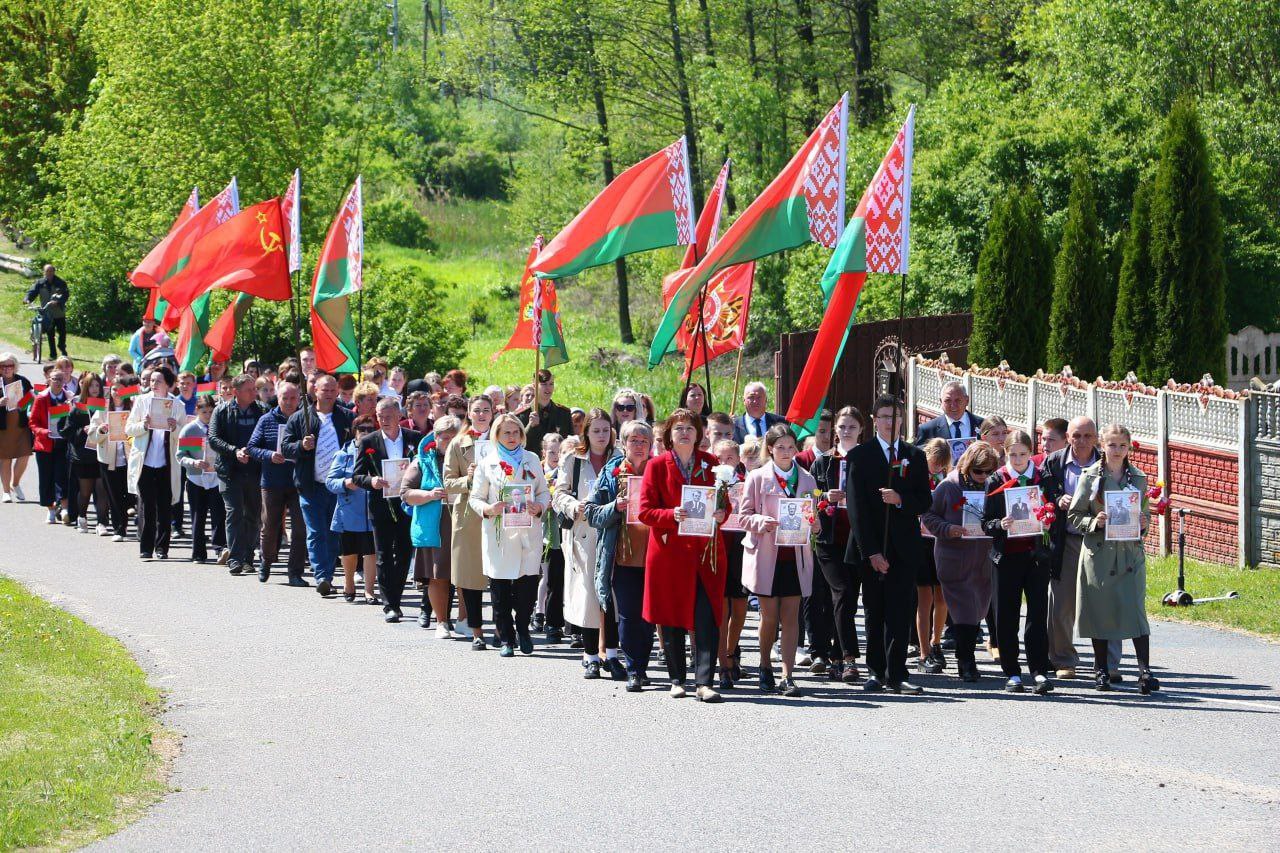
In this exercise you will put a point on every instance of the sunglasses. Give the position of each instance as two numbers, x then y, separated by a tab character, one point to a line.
625	407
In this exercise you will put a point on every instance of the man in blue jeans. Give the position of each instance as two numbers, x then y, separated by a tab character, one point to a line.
312	437
230	431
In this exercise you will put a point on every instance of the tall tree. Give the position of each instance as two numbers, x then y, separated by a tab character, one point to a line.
1133	328
686	103
1189	277
1014	275
1080	319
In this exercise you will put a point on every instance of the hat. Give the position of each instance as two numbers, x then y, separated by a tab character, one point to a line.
576	411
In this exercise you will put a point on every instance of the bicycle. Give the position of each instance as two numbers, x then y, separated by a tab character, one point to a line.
38	319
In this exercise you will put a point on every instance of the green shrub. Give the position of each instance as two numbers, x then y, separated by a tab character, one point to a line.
393	219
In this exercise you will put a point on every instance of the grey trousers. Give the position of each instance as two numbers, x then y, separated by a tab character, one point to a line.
1062	613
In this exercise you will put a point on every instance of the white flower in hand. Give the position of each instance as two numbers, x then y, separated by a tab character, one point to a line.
725	474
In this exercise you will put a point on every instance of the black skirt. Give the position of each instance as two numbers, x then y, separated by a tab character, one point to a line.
733	587
927	572
786	576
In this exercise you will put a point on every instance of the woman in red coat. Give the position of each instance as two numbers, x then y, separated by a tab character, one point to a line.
683	586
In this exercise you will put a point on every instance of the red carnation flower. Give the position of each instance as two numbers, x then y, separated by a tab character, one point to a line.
368	451
506	468
1136	445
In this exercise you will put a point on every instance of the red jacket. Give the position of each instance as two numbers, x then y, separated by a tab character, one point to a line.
40	422
673	562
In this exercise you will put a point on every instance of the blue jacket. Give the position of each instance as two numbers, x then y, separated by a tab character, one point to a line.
351	513
602	514
424	524
262	446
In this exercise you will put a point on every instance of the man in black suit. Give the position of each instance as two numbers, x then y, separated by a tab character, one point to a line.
756	417
239	474
956	421
390	522
312	437
890	562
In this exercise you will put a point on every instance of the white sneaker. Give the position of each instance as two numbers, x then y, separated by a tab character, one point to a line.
103	530
442	632
82	525
460	631
117	538
4	498
64	515
53	518
18	493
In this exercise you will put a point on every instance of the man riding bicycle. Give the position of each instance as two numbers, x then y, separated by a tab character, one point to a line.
52	293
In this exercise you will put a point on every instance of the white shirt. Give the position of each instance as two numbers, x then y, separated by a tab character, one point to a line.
326	445
965	431
156	456
884	448
395	447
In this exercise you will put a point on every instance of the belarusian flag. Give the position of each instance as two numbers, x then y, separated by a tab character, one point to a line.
222	334
58	411
877	240
146	273
339	274
246	253
210	387
647	207
92	404
805	202
125	392
291	207
191	445
538	317
191	331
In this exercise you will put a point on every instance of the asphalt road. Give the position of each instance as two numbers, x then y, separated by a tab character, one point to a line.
311	724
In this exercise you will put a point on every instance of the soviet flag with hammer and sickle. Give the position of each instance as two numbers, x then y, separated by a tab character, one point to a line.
247	253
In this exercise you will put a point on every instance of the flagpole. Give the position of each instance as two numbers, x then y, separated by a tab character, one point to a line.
737	372
700	336
897	395
360	332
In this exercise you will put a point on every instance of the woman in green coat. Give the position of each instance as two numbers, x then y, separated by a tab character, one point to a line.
1110	604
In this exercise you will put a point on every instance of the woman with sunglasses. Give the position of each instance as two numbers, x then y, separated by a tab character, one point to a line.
962	556
627	406
15	430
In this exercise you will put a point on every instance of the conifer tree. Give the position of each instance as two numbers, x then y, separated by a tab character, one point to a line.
1080	316
1133	327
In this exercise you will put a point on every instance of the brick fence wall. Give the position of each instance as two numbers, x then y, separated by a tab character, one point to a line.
1218	453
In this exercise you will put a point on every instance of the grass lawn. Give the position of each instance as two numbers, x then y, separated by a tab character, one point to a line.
1256	610
77	721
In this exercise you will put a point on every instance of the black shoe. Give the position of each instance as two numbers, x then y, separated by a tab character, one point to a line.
948	644
478	645
969	673
633	684
873	684
592	669
726	681
264	572
146	555
235	570
324	588
767	683
162	555
554	635
391	616
525	640
616	670
576	642
1101	681
1148	683
1116	677
835	671
913	651
424	619
788	687
906	688
539	621
298	582
1043	685
349	596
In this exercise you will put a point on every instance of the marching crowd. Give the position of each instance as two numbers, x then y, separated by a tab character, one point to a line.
365	485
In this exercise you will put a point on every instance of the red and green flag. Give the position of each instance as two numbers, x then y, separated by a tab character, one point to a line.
222	334
58	411
149	273
27	400
191	349
246	253
125	392
92	404
210	387
339	274
804	203
648	206
877	239
538	323
191	445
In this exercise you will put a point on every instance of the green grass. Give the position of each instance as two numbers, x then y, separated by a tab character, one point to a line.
1256	610
77	759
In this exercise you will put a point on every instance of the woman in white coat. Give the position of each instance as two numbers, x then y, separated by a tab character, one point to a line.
575	484
154	473
512	556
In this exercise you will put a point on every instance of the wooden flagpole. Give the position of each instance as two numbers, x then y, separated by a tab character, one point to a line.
898	396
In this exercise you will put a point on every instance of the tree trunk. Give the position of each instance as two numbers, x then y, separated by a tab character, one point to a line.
606	161
686	106
868	90
753	62
809	71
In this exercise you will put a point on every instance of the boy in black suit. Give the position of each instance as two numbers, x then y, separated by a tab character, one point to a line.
892	552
